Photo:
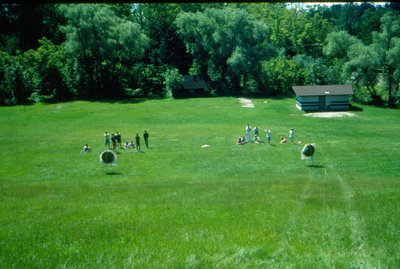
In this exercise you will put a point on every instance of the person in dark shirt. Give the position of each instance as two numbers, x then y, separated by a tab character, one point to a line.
114	141
146	138
137	138
118	137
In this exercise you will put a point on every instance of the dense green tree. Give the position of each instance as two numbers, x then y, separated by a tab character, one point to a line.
386	45
165	44
337	44
143	49
335	50
101	42
50	76
280	74
16	81
359	20
151	80
362	69
297	31
227	45
172	81
24	24
364	63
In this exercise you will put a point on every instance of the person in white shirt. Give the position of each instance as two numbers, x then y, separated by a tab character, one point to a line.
107	139
240	141
131	144
248	132
291	135
86	149
268	134
126	145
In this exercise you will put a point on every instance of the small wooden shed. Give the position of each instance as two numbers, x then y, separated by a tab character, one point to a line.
195	85
323	97
191	86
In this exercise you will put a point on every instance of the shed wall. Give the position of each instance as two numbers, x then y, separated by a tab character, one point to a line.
307	102
331	102
337	102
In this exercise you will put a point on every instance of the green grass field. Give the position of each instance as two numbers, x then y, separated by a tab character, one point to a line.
178	205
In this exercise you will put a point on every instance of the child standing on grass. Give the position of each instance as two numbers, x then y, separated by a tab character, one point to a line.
107	139
291	135
268	134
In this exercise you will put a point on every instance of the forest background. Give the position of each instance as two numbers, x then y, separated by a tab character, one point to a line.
59	52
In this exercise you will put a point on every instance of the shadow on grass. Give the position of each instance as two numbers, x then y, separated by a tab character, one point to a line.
355	108
120	101
113	173
315	165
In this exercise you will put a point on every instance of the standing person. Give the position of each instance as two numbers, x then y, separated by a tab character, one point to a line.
118	137
248	132
268	134
256	130
107	139
256	133
146	138
291	135
137	138
114	141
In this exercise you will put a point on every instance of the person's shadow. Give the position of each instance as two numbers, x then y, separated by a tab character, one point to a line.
315	165
113	173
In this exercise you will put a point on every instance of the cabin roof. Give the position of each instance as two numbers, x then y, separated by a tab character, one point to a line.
319	90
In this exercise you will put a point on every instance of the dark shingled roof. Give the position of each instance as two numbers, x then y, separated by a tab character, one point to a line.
318	90
194	82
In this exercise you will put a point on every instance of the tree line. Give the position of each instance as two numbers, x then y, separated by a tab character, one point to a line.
57	52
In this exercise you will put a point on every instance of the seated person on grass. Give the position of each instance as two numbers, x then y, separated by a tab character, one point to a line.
86	149
131	145
240	141
283	140
257	139
126	145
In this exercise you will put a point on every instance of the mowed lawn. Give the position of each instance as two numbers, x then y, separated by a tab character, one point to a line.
179	205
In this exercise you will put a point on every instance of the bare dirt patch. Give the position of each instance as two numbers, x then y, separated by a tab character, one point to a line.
246	102
339	114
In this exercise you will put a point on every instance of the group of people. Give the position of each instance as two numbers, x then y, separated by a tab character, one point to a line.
115	138
116	141
245	139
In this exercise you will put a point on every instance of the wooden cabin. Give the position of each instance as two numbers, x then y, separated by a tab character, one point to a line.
323	97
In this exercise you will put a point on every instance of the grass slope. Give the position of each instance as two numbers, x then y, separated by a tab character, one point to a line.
177	205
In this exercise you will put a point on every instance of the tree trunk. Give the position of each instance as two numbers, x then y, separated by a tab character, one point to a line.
390	85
